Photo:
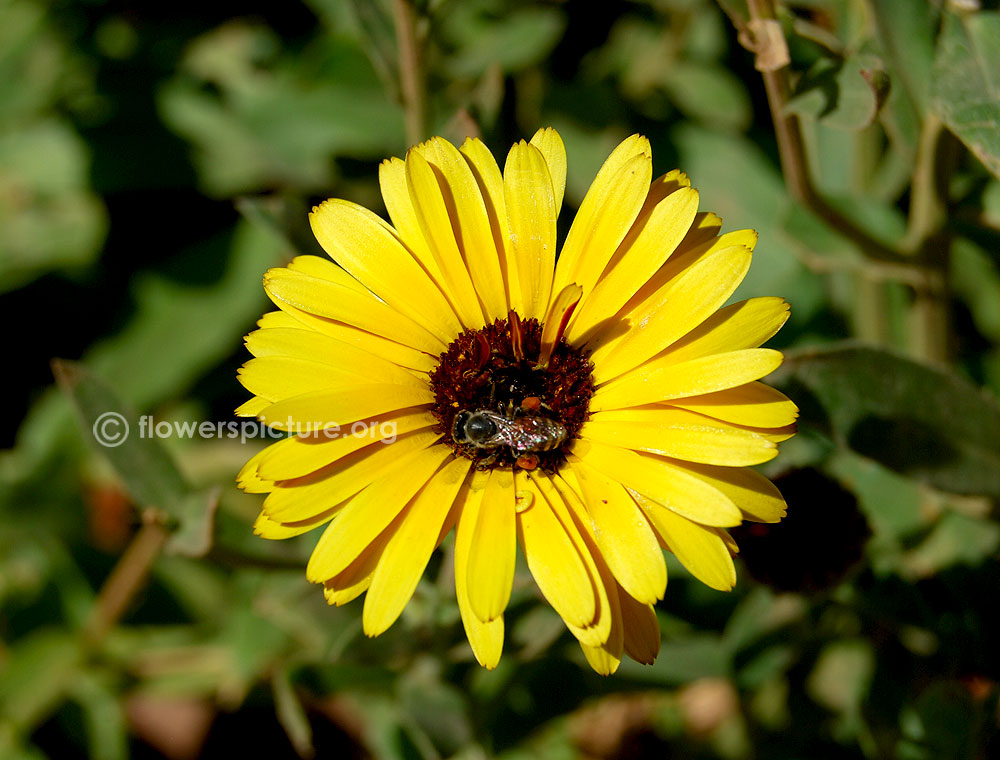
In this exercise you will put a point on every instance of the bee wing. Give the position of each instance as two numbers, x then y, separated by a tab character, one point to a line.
506	433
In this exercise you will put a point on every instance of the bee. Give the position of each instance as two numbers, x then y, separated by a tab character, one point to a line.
522	432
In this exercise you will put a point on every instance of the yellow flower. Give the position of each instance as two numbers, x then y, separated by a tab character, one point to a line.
449	372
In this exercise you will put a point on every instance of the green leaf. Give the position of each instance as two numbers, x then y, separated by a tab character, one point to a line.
927	423
194	535
842	675
283	217
436	706
277	121
759	614
146	468
846	94
956	539
966	83
709	92
34	61
976	280
112	429
49	219
512	40
940	725
906	29
890	502
682	660
104	718
35	676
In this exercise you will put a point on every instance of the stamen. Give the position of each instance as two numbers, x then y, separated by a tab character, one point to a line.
516	335
482	351
557	320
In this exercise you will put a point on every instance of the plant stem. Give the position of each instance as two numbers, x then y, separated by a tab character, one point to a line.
928	240
791	150
127	577
871	322
923	255
410	73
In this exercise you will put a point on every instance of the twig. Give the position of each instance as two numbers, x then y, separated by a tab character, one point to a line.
789	136
410	73
922	259
876	271
928	240
127	577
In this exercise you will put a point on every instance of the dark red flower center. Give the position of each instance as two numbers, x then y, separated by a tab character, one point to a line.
499	405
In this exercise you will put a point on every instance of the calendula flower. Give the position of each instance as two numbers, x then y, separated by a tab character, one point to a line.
450	371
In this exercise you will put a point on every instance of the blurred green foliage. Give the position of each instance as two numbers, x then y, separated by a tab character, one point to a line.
156	159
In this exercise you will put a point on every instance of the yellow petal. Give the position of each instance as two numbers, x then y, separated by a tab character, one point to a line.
396	194
663	481
353	581
277	319
279	377
679	434
673	311
470	222
253	407
324	269
363	518
685	257
642	629
490	571
648	244
352	589
630	149
548	141
368	248
265	527
605	629
487	173
753	405
327	299
409	549
554	560
626	541
531	216
600	659
298	456
698	547
249	479
327	408
703	240
743	325
436	224
662	380
304	498
485	638
300	343
396	353
705	228
756	496
605	216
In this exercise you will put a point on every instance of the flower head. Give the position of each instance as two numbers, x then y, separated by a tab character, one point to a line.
450	371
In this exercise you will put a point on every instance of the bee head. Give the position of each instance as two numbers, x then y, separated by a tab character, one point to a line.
472	427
